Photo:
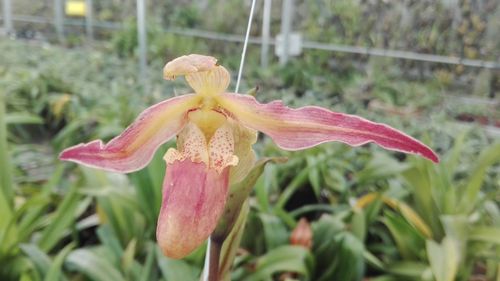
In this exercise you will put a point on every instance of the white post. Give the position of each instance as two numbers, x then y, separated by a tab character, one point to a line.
141	35
89	20
7	17
58	19
266	34
286	26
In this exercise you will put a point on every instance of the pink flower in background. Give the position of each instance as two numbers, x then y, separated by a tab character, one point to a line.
215	132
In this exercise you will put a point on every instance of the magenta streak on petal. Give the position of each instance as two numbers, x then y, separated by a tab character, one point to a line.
134	147
295	129
193	201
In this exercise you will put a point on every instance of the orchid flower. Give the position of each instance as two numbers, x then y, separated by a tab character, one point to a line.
215	132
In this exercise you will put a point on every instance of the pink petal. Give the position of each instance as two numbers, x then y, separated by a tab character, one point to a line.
193	201
134	148
294	129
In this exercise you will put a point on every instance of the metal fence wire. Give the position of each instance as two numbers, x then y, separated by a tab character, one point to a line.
392	23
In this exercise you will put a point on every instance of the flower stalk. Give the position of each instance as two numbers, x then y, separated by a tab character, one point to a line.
214	258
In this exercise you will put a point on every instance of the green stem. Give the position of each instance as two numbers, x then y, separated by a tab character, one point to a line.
232	242
296	183
213	263
5	171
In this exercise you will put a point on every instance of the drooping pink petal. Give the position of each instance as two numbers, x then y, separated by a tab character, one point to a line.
294	129
193	201
134	148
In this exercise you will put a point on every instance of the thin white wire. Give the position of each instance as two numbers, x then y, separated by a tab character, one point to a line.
207	259
245	43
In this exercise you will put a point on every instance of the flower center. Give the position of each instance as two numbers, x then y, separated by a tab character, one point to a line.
209	83
208	137
217	153
207	119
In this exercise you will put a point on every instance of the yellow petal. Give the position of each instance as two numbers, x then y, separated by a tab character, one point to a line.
192	145
244	138
217	153
209	83
207	120
221	149
188	64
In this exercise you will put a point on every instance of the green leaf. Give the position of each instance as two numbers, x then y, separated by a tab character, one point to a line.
148	185
410	269
262	193
456	228
380	166
443	259
232	244
63	217
418	177
175	270
358	224
23	118
324	231
33	212
94	266
410	215
148	268
322	208
68	131
282	259
8	227
373	260
314	175
339	254
297	182
252	92
6	187
55	272
350	259
275	232
128	256
40	259
487	158
14	266
488	234
443	191
109	239
408	240
238	193
118	202
384	278
453	157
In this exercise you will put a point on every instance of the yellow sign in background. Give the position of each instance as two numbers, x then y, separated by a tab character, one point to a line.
76	8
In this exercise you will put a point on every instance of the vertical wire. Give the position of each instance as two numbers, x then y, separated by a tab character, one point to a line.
245	44
207	261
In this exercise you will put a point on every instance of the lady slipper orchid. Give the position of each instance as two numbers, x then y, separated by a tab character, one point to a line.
215	131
